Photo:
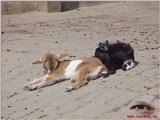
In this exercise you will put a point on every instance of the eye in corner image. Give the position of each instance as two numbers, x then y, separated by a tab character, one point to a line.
80	60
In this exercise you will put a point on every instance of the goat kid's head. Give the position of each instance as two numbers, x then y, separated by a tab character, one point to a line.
50	61
104	46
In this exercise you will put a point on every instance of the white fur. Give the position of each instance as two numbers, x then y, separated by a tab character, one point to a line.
70	70
132	65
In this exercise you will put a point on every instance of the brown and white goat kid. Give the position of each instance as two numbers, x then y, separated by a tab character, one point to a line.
79	71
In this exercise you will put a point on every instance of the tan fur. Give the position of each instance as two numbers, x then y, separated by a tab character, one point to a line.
83	73
50	62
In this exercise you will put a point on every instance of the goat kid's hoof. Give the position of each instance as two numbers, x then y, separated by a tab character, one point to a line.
68	89
26	87
29	88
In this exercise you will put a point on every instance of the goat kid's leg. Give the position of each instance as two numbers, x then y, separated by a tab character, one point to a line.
101	72
104	72
40	85
45	82
78	83
35	81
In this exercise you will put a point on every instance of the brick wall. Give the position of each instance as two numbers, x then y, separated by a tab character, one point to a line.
16	7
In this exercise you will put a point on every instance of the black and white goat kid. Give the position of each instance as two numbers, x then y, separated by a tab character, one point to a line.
115	56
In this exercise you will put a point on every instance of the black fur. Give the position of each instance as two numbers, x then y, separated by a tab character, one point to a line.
113	55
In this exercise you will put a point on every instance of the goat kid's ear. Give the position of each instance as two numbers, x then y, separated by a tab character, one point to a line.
107	42
103	47
37	61
61	55
118	41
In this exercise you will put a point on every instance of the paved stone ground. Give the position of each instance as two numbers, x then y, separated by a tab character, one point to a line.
27	37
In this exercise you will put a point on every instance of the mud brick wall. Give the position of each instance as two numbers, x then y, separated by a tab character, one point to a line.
65	5
16	7
49	6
